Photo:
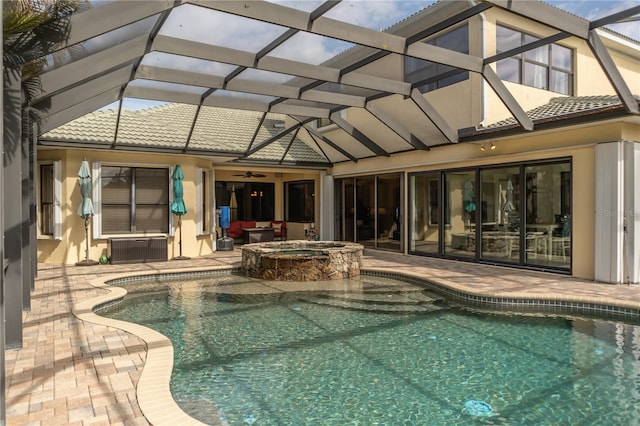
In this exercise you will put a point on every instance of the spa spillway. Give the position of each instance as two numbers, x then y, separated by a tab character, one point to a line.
302	260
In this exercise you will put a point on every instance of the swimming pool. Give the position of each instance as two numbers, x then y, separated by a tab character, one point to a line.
379	355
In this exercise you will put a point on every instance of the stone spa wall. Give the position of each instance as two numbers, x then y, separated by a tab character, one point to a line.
302	260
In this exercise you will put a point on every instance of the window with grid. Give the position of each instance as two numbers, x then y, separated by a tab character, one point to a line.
548	67
135	200
46	199
426	75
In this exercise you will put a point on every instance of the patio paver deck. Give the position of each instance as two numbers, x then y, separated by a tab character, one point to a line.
71	372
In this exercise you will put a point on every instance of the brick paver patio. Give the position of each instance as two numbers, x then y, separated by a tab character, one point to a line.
71	372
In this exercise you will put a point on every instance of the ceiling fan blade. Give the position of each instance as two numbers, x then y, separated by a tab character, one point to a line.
251	175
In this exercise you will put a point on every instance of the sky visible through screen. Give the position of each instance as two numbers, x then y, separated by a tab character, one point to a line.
373	14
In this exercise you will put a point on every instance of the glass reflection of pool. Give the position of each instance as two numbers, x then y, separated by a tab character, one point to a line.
383	358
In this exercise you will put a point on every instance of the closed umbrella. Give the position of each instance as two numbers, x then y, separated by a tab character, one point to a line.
85	209
233	204
177	207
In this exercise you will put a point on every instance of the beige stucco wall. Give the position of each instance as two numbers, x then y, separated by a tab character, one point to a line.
589	78
577	144
71	247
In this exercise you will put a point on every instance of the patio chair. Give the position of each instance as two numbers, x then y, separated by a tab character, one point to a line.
279	229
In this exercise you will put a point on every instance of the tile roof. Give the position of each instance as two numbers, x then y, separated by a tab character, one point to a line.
564	107
168	126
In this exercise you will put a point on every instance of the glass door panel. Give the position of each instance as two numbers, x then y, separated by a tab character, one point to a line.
365	211
424	225
388	211
500	214
548	214
460	214
349	210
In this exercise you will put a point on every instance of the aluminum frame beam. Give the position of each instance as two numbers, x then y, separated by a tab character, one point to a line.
276	137
545	14
149	72
622	16
507	98
315	134
83	92
434	116
50	122
163	95
100	20
357	135
91	67
613	74
396	127
236	103
12	210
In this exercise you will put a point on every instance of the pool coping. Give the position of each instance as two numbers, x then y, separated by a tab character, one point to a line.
153	391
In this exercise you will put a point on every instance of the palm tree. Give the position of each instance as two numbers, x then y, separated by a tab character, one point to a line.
31	29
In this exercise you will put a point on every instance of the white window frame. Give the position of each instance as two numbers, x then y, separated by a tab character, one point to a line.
57	200
96	173
200	197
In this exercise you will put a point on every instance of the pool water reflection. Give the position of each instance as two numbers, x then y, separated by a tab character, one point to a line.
379	356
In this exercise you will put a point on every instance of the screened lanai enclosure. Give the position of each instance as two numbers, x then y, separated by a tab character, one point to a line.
307	61
305	86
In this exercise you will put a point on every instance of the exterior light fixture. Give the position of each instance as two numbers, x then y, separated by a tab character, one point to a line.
483	147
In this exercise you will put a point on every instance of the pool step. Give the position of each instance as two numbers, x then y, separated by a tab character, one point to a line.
203	410
412	302
392	298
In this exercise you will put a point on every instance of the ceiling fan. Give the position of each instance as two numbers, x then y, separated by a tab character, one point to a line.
251	175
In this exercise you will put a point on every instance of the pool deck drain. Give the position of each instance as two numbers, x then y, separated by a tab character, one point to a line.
75	372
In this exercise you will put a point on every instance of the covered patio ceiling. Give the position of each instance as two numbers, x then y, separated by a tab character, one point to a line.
245	55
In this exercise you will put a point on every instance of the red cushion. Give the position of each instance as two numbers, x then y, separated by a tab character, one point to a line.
236	227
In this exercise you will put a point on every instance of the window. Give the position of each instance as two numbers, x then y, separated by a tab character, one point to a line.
300	201
247	200
548	67
428	75
46	199
49	196
134	200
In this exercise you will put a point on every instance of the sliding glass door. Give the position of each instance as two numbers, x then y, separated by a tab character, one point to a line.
517	214
369	211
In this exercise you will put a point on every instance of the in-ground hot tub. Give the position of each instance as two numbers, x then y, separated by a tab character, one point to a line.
302	260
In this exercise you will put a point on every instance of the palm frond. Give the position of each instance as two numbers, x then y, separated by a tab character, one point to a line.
32	32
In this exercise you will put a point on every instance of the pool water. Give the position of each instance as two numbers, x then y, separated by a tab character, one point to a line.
383	358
